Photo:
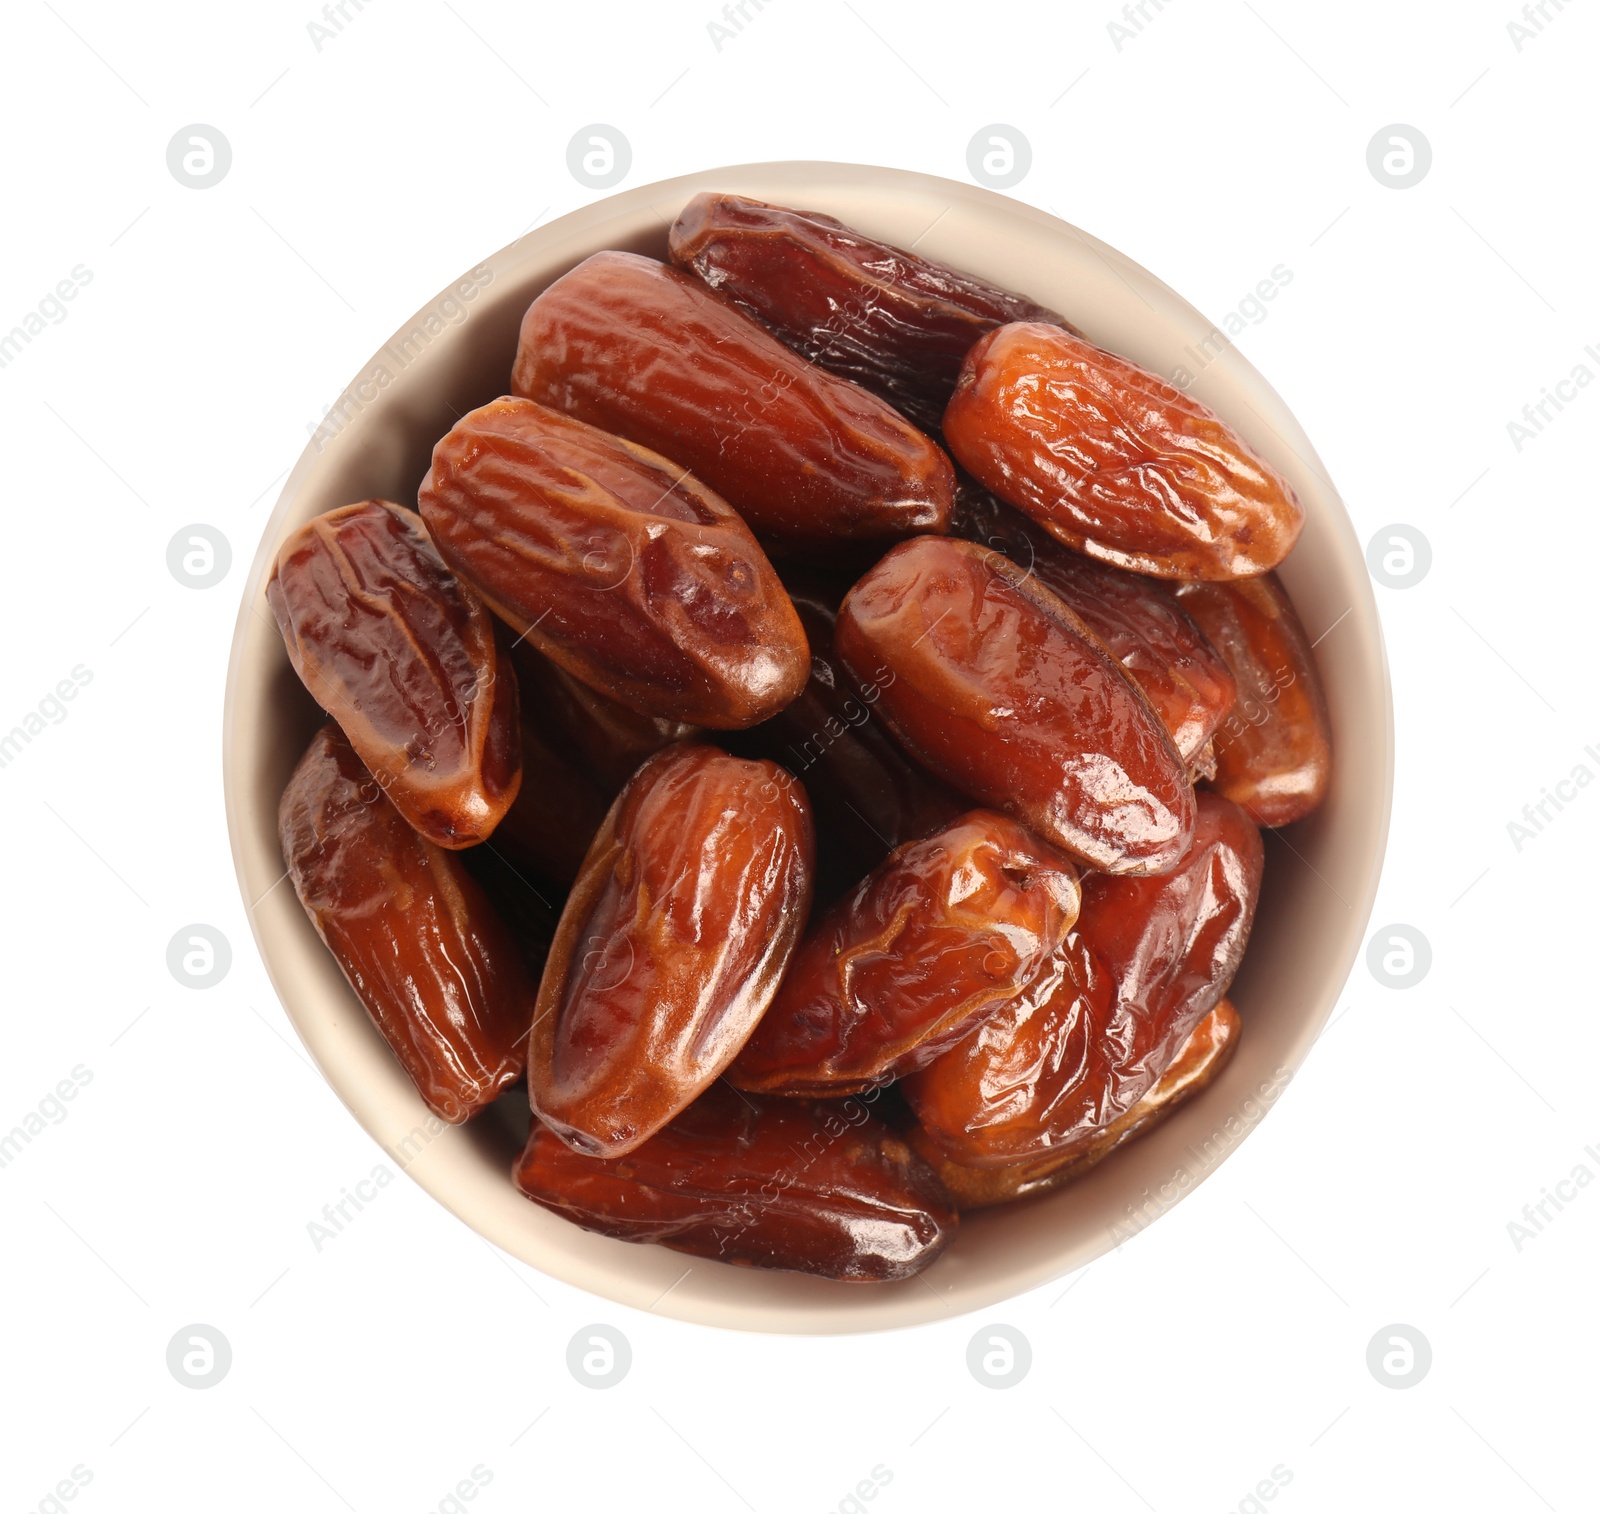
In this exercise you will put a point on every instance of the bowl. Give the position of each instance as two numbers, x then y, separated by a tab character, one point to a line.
1321	873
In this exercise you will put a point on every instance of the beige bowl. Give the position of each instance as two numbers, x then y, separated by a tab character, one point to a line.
1320	878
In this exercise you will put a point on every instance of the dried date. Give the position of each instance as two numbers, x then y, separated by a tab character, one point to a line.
792	1184
1149	957
404	658
433	964
1275	749
809	460
616	564
947	931
881	316
671	945
1114	461
1002	690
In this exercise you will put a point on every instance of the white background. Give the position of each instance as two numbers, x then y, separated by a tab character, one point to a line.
1230	1338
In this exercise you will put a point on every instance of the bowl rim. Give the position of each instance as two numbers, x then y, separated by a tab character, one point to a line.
791	1319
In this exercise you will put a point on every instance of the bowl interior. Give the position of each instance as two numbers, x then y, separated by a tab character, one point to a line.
1321	874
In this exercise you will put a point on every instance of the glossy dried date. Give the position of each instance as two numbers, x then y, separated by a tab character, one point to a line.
1148	958
810	1187
1210	1046
1138	619
879	315
618	565
1002	690
945	932
404	658
649	353
434	965
1114	461
1275	750
671	945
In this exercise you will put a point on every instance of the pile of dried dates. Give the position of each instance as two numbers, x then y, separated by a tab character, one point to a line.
815	730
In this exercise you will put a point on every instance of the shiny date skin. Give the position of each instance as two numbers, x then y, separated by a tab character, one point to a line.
618	565
607	738
1137	619
1114	461
809	460
671	945
1148	959
945	932
867	796
1208	1050
881	316
435	967
1003	691
802	1186
404	658
1275	750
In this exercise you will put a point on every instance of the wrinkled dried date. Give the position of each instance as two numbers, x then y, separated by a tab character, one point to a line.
1275	750
1001	689
434	965
404	658
1114	461
1138	619
671	945
809	460
810	1187
1148	958
879	315
1210	1046
618	565
945	932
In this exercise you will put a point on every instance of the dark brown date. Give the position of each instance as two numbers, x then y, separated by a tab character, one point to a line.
879	315
1114	461
404	658
434	965
608	738
1002	690
809	460
944	933
1275	750
671	945
810	1187
1210	1046
1137	619
616	564
867	795
558	811
1147	960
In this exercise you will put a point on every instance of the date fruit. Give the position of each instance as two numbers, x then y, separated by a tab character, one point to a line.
1149	958
1114	461
802	1186
1003	691
879	315
557	813
616	564
1137	619
404	658
1275	750
671	945
809	460
1208	1050
944	933
434	965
